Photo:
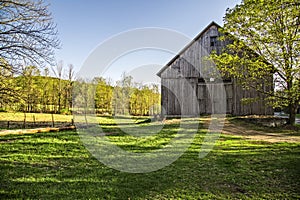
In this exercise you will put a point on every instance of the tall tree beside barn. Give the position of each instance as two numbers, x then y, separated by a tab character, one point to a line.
271	31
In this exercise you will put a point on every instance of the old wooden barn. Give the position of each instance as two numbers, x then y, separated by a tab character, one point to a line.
190	87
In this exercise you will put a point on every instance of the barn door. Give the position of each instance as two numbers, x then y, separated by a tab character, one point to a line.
229	97
217	100
212	98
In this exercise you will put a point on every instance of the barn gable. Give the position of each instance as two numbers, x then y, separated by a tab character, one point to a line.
197	49
189	74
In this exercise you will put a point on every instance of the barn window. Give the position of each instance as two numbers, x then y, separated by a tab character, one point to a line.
226	80
201	80
213	41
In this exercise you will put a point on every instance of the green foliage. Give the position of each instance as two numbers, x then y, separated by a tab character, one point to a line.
45	94
35	93
126	97
65	111
8	90
103	97
145	100
264	37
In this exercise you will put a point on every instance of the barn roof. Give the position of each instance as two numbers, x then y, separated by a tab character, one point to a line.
186	47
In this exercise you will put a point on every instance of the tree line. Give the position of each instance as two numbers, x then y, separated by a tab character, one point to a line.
36	91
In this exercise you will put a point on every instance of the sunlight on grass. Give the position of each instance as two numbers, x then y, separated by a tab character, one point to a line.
30	117
58	166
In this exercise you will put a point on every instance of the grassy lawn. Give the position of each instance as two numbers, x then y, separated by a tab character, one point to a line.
33	116
16	120
57	166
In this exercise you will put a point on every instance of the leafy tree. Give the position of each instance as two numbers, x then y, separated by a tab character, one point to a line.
7	86
45	94
30	88
103	96
37	93
121	95
265	40
59	73
69	86
144	100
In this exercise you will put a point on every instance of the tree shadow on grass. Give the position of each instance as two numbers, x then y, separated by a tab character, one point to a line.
57	166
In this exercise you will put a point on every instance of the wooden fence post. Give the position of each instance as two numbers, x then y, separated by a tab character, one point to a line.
33	117
24	124
52	119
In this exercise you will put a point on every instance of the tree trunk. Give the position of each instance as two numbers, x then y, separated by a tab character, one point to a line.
59	102
292	112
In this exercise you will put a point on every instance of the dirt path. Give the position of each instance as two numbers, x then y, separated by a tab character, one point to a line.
268	136
35	130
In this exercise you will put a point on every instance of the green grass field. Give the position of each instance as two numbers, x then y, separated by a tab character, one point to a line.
32	120
58	166
36	116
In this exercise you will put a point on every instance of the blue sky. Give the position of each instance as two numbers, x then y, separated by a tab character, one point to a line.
84	24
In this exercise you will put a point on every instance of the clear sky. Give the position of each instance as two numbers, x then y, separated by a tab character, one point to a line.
84	24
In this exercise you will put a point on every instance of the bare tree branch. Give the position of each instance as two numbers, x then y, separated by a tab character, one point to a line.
27	33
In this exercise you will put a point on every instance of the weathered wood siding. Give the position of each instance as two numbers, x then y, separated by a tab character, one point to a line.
186	86
179	97
256	108
193	62
211	97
